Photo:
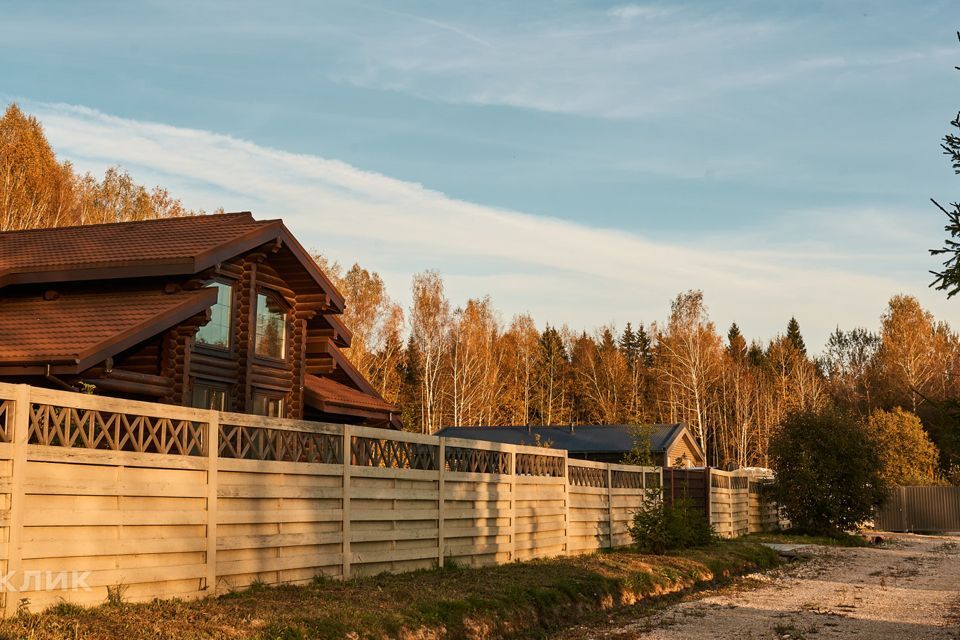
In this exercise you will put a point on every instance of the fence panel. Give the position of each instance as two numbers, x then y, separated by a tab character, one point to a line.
540	528
394	502
115	490
763	511
692	484
589	492
926	509
477	513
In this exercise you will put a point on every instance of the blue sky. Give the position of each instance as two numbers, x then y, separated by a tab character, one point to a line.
581	161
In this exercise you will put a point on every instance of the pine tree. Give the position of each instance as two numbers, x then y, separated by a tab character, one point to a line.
756	354
793	335
645	345
736	343
607	343
949	279
630	346
550	377
408	370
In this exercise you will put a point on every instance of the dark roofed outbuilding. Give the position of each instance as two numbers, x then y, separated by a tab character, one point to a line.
671	444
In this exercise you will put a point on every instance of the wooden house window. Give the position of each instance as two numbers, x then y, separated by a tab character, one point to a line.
216	333
209	396
271	332
265	404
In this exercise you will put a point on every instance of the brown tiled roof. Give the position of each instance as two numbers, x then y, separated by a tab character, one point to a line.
79	330
327	395
148	247
168	246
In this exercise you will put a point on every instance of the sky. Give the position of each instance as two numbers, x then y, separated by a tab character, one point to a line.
580	161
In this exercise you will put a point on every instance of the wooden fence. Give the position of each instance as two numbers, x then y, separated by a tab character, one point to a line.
926	509
173	501
734	500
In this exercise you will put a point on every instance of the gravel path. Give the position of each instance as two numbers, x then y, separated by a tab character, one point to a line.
908	589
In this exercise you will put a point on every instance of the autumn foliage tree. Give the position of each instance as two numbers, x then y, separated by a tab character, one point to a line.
38	191
907	455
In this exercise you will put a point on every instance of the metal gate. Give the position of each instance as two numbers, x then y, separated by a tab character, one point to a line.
920	509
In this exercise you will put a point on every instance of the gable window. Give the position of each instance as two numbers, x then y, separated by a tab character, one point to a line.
209	396
271	333
265	404
216	333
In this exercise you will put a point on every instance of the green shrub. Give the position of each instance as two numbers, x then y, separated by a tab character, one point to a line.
828	471
658	528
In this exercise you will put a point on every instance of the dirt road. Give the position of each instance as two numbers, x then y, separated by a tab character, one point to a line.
909	589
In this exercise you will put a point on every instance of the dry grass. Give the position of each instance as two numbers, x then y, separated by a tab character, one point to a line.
519	600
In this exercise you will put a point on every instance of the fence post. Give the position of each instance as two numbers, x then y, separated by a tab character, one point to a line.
610	505
707	494
213	456
513	506
345	503
903	508
566	505
440	469
21	432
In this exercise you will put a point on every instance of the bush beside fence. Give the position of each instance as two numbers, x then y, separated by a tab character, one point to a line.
167	501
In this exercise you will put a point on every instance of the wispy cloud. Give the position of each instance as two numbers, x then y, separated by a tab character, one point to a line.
560	271
639	11
628	61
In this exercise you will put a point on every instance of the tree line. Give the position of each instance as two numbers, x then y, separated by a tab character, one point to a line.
465	365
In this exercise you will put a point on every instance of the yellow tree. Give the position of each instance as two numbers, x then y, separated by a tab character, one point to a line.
602	378
911	351
796	382
907	455
474	363
430	328
689	356
35	189
520	346
117	198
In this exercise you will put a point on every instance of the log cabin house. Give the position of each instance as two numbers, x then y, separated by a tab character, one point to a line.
220	312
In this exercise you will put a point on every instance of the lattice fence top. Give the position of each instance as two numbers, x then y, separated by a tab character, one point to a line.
393	454
719	482
626	479
476	460
587	476
258	443
652	479
92	429
531	464
739	482
6	421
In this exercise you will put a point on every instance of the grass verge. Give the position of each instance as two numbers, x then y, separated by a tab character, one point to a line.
521	600
793	537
